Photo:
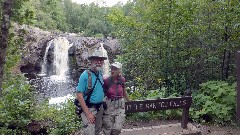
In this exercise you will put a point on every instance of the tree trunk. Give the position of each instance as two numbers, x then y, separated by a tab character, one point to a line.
4	33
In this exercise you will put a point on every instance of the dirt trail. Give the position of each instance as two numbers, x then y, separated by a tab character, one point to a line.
169	127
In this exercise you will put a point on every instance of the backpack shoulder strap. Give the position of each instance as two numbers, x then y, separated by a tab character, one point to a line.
97	76
110	82
89	89
120	81
89	80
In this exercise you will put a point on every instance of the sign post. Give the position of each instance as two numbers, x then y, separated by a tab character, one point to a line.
238	85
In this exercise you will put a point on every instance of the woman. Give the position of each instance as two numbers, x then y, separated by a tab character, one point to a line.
115	93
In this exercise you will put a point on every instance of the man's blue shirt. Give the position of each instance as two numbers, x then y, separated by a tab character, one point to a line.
97	94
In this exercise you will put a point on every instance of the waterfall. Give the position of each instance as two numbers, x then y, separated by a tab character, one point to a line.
106	70
60	58
44	65
54	81
60	61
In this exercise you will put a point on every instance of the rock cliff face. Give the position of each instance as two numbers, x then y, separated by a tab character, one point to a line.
36	41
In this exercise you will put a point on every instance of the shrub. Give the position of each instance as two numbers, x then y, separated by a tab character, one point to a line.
214	102
17	105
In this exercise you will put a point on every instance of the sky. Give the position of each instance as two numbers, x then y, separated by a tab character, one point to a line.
107	2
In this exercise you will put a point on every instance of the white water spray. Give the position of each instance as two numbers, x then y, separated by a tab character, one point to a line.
106	70
44	65
60	60
56	84
61	46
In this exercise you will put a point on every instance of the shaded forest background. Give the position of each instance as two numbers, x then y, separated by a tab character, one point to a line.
169	48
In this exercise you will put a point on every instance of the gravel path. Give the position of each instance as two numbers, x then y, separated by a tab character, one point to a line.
145	128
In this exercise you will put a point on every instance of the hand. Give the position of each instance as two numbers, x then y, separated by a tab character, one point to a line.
129	100
90	117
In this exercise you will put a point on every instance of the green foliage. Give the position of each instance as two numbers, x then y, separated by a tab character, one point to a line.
59	119
155	94
18	108
171	39
145	116
17	103
182	43
163	42
214	102
47	14
21	15
5	131
67	122
67	16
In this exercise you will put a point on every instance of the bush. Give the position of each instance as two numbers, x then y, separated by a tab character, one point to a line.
17	105
65	120
214	102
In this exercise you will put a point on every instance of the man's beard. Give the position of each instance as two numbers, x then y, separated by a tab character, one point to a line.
98	67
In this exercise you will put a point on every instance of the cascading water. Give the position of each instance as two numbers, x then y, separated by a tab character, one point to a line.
55	84
106	70
44	65
61	46
60	59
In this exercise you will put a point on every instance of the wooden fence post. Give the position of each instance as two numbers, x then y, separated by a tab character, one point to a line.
238	85
185	115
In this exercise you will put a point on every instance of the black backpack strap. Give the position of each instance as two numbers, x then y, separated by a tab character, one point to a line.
120	81
91	91
110	82
89	82
97	77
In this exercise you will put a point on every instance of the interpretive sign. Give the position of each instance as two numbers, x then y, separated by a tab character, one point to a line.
159	104
162	104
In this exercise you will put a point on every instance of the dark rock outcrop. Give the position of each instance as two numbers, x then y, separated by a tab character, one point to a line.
36	41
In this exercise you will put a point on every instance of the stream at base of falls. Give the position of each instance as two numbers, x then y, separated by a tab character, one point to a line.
55	88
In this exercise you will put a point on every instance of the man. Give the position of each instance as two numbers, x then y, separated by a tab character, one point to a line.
91	104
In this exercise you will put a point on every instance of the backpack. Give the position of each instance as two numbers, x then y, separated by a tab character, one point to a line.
111	82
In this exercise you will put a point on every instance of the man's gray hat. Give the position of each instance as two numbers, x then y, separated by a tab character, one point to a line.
97	54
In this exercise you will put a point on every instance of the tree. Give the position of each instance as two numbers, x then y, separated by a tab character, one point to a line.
4	34
11	11
169	40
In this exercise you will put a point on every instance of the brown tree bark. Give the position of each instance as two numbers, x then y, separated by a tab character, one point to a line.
4	34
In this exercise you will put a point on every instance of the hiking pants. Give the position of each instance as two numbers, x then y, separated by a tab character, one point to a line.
92	128
116	111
